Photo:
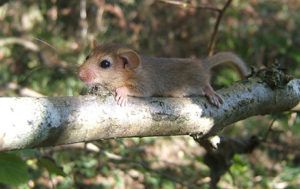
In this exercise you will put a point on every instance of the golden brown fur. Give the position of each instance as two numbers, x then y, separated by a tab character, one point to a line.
145	76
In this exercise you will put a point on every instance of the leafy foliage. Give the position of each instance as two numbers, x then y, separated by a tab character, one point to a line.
13	169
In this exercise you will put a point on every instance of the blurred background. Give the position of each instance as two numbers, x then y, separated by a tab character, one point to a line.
43	42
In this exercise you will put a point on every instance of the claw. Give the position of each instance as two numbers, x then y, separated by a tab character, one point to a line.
121	96
213	97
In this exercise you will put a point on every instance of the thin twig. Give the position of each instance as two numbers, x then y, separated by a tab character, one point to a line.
45	43
22	91
25	42
20	41
188	5
264	139
220	12
83	19
144	165
100	12
212	42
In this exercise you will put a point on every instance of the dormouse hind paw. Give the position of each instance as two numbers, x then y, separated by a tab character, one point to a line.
213	97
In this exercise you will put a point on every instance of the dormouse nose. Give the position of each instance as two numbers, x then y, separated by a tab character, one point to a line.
83	76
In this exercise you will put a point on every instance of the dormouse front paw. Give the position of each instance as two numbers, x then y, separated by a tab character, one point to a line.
121	96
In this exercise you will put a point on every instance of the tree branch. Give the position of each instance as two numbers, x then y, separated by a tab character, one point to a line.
34	122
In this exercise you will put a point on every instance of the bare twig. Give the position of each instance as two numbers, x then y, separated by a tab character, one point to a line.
83	17
20	41
45	43
22	91
145	165
188	5
118	13
297	108
212	42
220	12
264	139
25	43
283	148
100	11
97	148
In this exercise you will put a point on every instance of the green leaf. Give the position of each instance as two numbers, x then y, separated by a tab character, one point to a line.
51	166
13	169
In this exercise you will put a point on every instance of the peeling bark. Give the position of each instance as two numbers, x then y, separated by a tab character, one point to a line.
46	121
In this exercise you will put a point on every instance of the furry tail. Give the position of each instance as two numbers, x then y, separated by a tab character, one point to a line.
228	57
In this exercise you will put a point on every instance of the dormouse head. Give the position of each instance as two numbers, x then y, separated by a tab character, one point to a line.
109	65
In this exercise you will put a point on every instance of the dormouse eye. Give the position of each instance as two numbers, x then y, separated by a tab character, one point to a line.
105	64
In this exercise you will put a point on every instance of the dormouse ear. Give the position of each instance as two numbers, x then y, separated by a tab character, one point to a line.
130	58
94	44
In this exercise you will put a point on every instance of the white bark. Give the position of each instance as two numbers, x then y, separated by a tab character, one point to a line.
46	121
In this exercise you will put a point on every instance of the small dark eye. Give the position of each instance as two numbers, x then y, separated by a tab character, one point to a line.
105	64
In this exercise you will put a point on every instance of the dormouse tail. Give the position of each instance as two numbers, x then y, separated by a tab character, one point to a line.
228	57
